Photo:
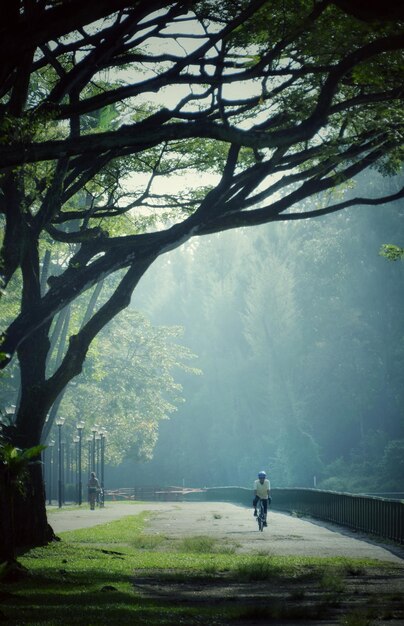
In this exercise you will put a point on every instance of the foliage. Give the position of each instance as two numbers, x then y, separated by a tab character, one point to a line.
128	385
15	462
391	252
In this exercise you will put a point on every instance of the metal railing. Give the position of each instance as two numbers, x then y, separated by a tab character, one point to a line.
164	494
368	514
372	515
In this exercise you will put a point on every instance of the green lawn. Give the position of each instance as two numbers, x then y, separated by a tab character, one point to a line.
88	578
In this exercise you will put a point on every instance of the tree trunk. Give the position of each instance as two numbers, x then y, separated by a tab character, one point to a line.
29	503
23	521
7	539
39	394
30	521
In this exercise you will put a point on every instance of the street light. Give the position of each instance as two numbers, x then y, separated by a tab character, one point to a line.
80	426
89	442
103	434
59	423
94	430
76	466
97	453
51	445
67	462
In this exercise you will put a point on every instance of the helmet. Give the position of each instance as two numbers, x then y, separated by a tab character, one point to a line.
262	475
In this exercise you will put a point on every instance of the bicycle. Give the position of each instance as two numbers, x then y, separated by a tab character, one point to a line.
100	498
95	497
261	519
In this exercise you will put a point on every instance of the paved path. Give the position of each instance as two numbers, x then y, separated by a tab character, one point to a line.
285	535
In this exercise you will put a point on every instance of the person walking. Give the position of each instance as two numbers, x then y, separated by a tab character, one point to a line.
262	489
93	490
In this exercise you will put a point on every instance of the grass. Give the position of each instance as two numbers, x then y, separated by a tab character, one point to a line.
203	544
88	579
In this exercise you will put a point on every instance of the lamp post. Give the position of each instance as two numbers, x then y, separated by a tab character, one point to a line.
80	426
89	449
97	453
89	446
67	462
65	470
51	446
59	423
94	430
76	467
103	434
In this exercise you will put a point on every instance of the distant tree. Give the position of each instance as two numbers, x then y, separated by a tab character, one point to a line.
100	102
128	386
392	465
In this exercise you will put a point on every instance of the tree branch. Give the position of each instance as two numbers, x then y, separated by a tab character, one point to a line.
235	217
340	206
79	344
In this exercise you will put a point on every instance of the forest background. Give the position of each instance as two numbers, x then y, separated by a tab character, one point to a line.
279	347
298	332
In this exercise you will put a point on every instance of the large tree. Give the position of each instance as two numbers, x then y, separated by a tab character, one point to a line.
101	101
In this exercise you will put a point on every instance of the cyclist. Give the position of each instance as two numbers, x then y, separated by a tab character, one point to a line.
262	488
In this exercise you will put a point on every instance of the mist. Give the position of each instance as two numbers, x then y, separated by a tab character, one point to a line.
299	335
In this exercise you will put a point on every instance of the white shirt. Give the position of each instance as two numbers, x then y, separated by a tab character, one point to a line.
262	489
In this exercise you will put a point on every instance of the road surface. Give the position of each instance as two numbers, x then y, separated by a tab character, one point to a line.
235	525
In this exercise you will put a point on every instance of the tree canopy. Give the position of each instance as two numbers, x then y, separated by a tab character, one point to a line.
283	113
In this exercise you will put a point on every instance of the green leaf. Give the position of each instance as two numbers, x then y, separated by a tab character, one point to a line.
391	252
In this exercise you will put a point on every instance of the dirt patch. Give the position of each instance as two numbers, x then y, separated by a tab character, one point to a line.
373	597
